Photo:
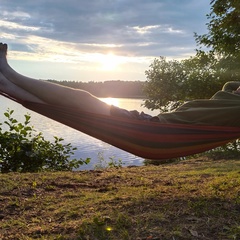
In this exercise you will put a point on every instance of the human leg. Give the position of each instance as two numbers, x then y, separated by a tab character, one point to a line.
14	91
52	93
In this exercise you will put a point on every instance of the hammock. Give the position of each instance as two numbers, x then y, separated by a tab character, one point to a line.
151	140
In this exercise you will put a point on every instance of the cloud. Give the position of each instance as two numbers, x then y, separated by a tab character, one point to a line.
136	28
7	25
15	15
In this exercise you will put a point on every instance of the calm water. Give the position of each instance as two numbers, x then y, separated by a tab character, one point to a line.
87	146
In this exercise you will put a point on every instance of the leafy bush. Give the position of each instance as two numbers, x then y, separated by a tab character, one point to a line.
24	150
111	163
228	151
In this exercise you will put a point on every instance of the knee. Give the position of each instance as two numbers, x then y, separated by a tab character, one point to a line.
230	86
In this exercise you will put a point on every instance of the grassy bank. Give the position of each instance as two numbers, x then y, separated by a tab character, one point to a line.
194	199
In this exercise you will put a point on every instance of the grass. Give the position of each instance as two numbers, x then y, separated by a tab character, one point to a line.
192	199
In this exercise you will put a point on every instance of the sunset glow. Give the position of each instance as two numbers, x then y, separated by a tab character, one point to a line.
109	62
111	101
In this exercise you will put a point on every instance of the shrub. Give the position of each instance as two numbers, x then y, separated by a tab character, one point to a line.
24	150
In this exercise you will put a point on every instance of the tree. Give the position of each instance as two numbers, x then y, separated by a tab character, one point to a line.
203	77
223	37
170	83
164	85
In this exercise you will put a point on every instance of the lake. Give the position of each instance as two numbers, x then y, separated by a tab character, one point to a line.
87	147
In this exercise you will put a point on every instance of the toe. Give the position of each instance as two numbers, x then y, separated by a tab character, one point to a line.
3	47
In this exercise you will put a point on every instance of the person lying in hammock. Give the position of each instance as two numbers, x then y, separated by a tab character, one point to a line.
28	89
222	109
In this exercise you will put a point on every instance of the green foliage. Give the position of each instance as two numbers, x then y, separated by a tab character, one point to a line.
164	84
203	77
223	27
170	83
23	150
111	163
223	35
228	151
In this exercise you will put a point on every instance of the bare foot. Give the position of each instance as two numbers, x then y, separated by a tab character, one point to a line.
10	74
3	56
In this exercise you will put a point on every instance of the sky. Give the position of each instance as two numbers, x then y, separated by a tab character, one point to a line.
98	40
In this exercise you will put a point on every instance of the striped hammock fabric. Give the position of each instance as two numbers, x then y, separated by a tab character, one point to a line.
150	140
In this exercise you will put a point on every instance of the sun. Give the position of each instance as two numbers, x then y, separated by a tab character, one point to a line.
111	101
109	62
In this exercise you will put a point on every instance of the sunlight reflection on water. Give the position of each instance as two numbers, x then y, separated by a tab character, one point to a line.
87	146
